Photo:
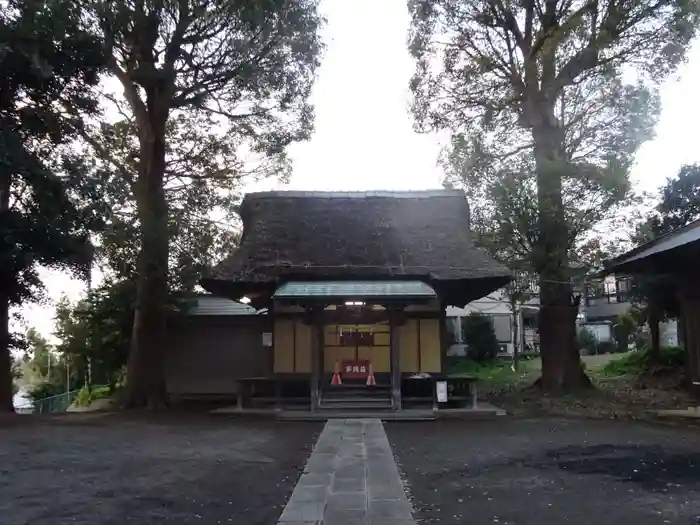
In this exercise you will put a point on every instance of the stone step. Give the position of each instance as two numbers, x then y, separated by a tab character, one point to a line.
371	401
352	402
355	395
354	406
359	389
384	415
357	386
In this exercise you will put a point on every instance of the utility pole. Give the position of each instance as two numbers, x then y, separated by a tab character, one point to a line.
90	338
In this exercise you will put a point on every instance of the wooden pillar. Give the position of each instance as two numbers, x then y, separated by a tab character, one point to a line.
316	349
443	336
394	352
689	296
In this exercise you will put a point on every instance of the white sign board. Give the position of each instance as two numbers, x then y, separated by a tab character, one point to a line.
267	339
441	389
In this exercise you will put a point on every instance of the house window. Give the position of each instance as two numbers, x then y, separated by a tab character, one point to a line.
502	327
609	291
624	289
623	285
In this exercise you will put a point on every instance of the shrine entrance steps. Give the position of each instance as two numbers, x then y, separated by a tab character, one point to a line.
349	396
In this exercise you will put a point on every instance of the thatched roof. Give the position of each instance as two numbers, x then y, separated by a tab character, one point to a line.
357	235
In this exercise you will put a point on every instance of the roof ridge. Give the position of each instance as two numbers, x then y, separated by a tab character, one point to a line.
399	194
615	261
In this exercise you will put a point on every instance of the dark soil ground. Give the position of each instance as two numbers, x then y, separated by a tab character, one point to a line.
146	469
544	471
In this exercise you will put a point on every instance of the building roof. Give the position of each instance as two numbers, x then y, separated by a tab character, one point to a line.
663	254
423	235
354	289
207	305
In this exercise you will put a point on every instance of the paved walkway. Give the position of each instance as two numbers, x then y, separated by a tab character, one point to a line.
350	479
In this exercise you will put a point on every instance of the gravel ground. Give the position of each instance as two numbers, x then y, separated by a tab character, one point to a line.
549	472
148	469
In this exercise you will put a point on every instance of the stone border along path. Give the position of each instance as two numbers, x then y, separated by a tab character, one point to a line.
351	478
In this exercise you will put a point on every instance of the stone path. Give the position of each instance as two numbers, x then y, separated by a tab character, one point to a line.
350	479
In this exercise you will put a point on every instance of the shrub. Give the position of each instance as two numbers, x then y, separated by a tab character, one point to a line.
44	390
103	392
640	362
84	397
673	357
480	337
586	342
641	340
627	328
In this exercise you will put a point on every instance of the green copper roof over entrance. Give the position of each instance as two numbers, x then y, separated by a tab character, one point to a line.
354	289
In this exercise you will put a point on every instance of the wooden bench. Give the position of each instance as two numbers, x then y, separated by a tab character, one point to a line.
246	389
468	380
465	382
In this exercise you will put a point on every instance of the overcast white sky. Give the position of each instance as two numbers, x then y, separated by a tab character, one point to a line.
364	137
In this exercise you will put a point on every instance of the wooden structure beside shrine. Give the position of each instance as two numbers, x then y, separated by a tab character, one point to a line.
356	284
676	254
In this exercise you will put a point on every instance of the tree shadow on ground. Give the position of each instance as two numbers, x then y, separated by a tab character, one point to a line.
652	467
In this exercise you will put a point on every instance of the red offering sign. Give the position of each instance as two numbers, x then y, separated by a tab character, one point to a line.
355	369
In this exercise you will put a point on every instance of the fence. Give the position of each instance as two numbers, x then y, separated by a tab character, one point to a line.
52	404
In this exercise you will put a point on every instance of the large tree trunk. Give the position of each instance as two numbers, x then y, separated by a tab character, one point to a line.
145	385
6	404
561	363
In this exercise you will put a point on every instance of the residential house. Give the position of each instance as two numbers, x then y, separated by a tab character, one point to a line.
607	298
602	301
512	322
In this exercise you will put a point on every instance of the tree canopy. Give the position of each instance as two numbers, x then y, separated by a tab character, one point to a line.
559	89
187	68
679	201
50	67
202	186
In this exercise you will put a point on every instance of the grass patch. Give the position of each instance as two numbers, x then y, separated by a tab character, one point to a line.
495	374
626	385
671	358
488	370
630	364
